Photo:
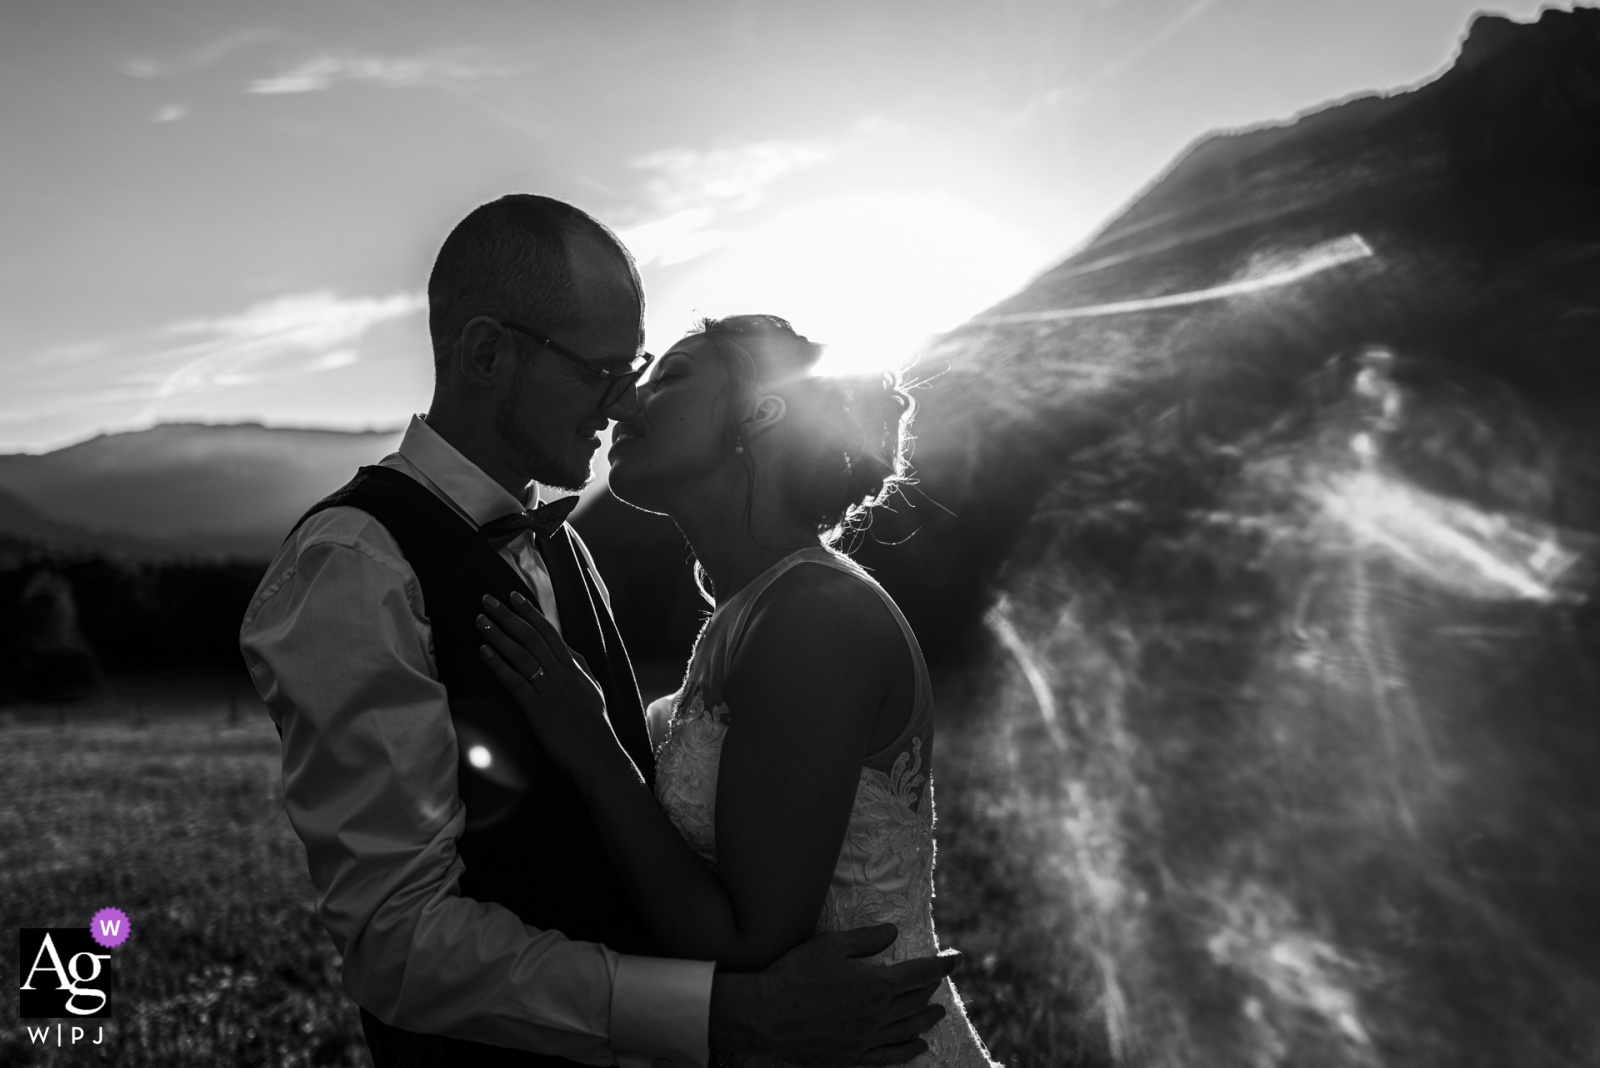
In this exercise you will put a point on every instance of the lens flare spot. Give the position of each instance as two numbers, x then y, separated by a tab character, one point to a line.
1032	670
1263	275
479	757
1486	555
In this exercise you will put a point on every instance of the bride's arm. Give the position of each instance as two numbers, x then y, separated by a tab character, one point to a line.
804	692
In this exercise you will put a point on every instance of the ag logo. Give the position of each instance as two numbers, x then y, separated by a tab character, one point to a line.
63	974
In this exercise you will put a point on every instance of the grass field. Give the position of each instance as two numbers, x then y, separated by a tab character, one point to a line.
165	804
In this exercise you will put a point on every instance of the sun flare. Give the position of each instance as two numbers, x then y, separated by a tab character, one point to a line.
870	275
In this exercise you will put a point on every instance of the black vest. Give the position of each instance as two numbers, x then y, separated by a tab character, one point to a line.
529	844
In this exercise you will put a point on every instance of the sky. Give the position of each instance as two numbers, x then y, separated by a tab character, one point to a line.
221	211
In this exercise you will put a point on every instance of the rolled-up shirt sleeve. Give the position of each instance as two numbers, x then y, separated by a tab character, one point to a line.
337	642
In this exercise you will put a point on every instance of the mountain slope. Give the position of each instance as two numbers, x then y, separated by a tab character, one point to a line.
229	490
25	531
1458	219
1270	523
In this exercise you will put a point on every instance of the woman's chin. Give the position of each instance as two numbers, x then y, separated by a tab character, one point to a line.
631	491
643	505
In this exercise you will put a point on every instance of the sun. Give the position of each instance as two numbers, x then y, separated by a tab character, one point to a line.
871	275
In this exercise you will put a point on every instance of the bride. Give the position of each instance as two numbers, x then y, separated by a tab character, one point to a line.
793	790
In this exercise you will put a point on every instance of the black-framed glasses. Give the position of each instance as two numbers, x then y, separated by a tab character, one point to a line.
617	382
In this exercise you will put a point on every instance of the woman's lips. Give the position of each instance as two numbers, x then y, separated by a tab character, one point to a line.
621	437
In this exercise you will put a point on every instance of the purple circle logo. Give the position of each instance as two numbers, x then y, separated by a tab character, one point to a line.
110	927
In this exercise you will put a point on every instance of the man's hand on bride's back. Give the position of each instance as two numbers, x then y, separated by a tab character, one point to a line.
820	1005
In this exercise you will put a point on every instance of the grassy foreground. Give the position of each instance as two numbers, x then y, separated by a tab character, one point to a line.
174	814
180	824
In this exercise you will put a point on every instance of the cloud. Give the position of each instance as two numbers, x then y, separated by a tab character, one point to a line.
692	186
732	176
679	238
228	44
143	68
389	72
204	56
283	337
334	360
306	357
170	113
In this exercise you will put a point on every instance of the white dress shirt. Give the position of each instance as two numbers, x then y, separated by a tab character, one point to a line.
338	642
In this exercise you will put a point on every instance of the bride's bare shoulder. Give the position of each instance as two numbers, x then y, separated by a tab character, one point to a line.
824	590
820	609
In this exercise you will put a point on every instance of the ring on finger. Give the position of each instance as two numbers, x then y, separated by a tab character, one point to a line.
538	674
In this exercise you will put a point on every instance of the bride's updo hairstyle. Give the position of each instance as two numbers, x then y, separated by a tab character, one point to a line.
841	447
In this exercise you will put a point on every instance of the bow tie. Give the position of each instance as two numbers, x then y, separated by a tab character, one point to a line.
544	521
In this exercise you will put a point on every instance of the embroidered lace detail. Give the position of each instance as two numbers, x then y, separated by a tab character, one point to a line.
885	868
686	772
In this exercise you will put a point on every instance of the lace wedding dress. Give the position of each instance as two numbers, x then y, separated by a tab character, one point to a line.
885	868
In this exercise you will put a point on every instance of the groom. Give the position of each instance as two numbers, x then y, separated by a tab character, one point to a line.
458	873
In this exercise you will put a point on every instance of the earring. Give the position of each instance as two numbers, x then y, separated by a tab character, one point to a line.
849	469
738	445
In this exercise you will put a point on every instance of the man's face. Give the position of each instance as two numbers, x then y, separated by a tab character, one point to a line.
550	416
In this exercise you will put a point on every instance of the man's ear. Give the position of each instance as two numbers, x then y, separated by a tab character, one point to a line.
482	349
768	412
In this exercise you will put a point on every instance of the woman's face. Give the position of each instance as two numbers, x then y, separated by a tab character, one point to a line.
673	443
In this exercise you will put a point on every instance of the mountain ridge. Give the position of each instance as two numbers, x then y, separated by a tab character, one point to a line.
1478	184
217	490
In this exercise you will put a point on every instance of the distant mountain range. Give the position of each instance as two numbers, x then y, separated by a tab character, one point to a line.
178	489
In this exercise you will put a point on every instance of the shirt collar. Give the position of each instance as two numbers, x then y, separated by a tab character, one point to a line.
461	482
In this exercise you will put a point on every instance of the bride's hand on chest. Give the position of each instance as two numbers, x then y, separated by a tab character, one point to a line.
558	695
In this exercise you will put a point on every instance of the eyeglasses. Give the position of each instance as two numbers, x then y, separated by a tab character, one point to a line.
616	382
